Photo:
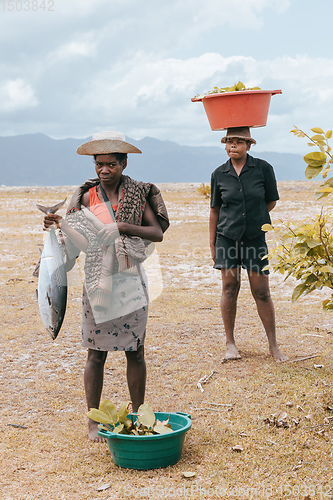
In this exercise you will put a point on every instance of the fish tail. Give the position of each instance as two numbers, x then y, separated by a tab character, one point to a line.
50	210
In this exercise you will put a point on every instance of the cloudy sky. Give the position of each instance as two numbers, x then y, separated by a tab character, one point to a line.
69	68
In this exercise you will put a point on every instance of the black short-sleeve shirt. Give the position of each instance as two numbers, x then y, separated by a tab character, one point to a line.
243	199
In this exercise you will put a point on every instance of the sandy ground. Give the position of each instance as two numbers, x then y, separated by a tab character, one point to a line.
44	449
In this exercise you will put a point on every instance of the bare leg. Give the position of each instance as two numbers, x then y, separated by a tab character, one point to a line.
259	284
230	290
93	384
136	376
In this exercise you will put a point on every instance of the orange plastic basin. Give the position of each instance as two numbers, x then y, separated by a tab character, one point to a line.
244	108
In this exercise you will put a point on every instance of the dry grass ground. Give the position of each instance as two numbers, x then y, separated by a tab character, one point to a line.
42	380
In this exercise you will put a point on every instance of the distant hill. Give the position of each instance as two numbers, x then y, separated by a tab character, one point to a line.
36	159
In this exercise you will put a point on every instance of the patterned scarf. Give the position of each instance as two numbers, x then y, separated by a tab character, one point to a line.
128	250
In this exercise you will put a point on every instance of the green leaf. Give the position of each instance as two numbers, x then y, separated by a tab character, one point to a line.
267	227
299	292
326	269
146	415
312	243
315	159
240	86
109	409
287	236
99	416
328	305
123	412
311	172
318	196
318	138
311	279
162	429
301	248
329	181
325	190
307	227
317	130
118	428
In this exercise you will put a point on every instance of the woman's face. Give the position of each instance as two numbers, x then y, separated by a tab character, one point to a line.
237	148
108	169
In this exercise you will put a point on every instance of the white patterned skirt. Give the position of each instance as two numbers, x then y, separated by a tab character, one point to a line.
122	327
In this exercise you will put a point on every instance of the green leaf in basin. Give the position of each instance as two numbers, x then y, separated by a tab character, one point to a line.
123	412
99	416
146	415
109	409
162	429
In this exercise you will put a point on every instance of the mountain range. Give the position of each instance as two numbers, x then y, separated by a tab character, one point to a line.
38	160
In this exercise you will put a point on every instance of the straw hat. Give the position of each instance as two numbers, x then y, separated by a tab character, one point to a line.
104	143
239	133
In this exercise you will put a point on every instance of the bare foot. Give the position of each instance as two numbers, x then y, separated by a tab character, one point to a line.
93	432
277	355
232	352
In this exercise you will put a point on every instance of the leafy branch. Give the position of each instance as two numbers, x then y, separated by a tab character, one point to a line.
318	161
305	251
122	422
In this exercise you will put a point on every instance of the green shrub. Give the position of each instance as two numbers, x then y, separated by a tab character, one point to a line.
305	250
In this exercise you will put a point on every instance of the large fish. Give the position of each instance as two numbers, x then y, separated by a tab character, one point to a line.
52	281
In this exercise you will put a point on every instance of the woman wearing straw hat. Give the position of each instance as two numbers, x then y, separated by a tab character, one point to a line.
113	219
243	192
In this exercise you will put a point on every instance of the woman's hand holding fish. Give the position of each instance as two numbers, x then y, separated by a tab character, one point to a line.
51	219
78	239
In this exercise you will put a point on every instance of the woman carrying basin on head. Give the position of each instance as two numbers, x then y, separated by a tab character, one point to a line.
243	192
113	219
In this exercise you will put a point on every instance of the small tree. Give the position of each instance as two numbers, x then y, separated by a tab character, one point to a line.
305	251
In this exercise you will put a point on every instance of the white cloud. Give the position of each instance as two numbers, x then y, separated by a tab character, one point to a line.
84	46
157	81
145	94
134	66
16	95
153	95
238	15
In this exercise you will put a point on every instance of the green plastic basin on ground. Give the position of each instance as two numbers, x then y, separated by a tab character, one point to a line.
150	452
